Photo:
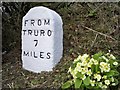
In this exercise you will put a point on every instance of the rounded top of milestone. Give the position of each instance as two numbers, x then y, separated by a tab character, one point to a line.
41	11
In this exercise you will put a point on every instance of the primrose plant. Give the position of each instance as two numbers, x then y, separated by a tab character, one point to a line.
95	72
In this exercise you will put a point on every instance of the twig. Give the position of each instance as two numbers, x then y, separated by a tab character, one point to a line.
9	85
35	86
98	32
98	7
94	40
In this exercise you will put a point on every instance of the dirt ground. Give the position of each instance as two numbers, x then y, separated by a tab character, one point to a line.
88	28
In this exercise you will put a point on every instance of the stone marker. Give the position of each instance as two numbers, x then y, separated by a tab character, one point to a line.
42	39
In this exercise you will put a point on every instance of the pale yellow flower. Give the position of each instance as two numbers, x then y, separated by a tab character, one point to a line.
97	76
74	76
108	54
104	67
84	63
78	64
73	72
83	77
104	86
84	70
70	69
91	60
92	82
107	69
79	57
111	56
89	64
89	72
112	79
115	63
107	82
84	57
78	67
95	62
113	84
75	60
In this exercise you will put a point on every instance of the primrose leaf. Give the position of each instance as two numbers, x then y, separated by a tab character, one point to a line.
67	84
97	55
78	83
87	81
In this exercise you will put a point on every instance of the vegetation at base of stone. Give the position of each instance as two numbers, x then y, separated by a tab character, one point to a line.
94	72
88	28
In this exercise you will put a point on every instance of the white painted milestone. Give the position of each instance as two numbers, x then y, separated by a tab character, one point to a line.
42	39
